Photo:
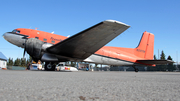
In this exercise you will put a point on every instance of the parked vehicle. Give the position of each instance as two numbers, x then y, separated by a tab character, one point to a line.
36	67
62	67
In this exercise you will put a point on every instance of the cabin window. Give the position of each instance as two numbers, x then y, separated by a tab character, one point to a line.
37	37
44	39
53	41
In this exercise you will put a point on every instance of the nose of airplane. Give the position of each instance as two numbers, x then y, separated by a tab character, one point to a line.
9	37
14	39
5	35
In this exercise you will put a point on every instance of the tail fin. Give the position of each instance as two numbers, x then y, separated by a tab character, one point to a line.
145	48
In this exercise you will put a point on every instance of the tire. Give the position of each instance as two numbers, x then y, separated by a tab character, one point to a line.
136	70
49	66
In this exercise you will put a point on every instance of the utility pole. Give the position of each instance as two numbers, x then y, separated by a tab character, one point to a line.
177	61
177	56
158	54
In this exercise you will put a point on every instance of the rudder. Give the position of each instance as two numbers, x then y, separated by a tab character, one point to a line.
145	48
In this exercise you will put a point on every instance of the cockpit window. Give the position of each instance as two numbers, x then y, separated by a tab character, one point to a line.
16	31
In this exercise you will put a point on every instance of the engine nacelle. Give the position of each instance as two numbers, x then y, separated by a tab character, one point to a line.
33	47
37	50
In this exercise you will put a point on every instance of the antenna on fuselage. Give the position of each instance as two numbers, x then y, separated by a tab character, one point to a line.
52	32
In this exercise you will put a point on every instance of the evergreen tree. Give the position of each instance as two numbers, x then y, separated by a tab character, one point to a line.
162	67
170	66
17	62
169	58
23	62
163	55
155	57
10	62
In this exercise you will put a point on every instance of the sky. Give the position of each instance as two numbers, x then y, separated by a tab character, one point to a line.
69	17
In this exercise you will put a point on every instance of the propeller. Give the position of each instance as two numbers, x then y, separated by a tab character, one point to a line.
24	49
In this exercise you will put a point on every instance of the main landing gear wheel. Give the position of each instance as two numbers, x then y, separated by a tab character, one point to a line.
135	69
49	66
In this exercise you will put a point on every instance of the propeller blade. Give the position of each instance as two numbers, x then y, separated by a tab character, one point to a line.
24	49
24	53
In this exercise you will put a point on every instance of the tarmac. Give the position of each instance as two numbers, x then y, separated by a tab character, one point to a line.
88	86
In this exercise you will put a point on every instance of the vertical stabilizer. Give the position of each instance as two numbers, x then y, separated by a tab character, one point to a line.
145	48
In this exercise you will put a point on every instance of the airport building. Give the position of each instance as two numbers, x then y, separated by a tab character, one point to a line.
3	61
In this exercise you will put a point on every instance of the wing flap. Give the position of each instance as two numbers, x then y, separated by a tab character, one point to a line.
85	43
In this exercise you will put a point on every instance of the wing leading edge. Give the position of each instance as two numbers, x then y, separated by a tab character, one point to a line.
87	42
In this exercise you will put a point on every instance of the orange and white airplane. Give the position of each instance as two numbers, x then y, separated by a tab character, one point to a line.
87	46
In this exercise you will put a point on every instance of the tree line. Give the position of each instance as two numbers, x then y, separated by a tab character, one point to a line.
19	62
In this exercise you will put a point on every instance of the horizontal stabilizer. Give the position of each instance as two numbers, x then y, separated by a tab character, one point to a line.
157	62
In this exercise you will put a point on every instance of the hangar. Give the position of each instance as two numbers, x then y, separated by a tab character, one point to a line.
3	61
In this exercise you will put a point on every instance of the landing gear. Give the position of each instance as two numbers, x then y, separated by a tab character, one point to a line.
135	69
50	66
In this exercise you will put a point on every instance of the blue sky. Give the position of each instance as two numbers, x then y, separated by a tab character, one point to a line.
68	17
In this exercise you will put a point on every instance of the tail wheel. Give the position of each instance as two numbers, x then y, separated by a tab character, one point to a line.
49	66
135	69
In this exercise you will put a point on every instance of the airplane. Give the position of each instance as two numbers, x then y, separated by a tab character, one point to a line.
86	46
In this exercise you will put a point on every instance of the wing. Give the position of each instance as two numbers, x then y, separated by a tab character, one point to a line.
157	62
87	42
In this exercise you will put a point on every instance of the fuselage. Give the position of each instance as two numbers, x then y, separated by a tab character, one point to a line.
106	55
